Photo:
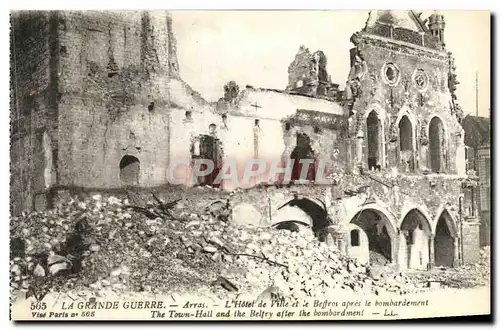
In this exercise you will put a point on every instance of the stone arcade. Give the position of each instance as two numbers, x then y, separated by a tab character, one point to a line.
98	103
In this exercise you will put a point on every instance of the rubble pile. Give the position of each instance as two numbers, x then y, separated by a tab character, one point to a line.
98	242
104	243
296	265
459	277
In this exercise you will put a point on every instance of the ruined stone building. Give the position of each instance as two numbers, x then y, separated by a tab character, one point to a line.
98	102
88	90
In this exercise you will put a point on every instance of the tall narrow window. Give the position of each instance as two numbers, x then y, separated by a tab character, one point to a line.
355	237
373	127
436	144
406	143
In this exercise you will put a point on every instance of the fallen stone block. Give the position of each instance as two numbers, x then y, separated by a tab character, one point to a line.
246	215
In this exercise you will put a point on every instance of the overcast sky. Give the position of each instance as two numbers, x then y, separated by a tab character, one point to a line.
256	47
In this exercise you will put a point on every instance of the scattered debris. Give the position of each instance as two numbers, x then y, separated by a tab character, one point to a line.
166	247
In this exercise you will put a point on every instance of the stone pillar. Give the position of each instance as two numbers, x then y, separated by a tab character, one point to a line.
394	250
359	147
456	247
402	251
432	253
342	245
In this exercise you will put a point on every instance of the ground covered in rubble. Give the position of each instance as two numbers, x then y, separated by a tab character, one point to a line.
105	243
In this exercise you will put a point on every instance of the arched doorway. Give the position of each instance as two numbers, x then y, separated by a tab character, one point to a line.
207	147
436	144
444	241
303	210
406	143
374	141
357	243
129	170
303	151
380	233
414	241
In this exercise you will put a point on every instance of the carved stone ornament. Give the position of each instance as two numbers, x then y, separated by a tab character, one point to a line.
420	79
356	38
355	87
393	133
424	140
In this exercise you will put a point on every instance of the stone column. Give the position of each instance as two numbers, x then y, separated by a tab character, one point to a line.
456	260
394	250
432	253
359	147
342	245
402	251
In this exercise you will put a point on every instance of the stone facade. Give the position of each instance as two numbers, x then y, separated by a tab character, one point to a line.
405	87
98	103
404	119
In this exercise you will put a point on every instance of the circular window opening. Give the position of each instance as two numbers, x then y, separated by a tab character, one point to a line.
129	170
391	73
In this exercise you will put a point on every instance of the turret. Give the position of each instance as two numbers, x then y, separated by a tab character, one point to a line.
436	27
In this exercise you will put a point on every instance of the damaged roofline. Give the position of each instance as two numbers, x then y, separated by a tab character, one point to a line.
318	97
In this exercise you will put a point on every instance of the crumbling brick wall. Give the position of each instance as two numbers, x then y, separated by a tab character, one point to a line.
33	106
308	75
